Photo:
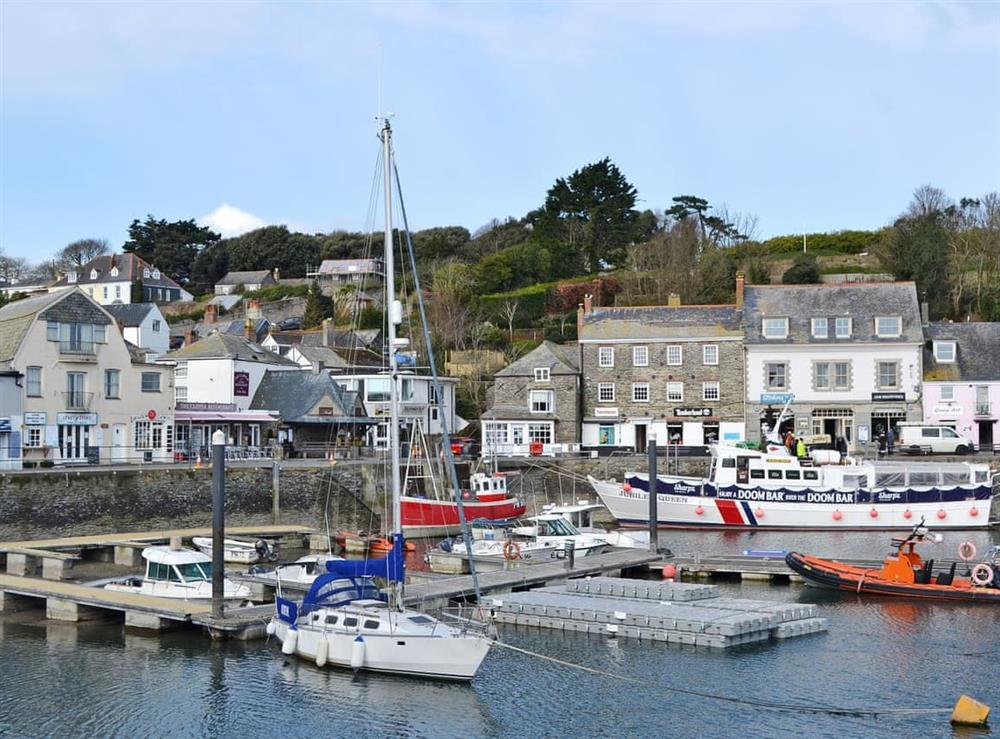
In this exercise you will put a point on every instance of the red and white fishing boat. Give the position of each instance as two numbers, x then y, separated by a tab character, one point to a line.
488	499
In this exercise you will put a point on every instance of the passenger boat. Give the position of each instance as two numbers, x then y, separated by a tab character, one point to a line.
904	573
344	620
237	551
488	498
751	489
178	573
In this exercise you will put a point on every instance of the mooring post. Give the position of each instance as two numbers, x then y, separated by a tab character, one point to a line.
653	487
275	492
218	520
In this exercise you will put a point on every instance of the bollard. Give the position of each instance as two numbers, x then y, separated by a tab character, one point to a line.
570	549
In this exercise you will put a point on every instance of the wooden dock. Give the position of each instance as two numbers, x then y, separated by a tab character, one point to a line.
439	591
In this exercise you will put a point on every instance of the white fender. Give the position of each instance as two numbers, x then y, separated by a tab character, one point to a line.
358	653
270	628
290	641
322	651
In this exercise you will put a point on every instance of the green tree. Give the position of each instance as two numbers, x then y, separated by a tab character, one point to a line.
715	278
318	307
273	247
592	210
172	246
434	244
759	273
210	266
804	271
916	248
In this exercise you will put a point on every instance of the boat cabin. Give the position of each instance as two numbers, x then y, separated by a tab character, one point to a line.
489	487
164	564
580	515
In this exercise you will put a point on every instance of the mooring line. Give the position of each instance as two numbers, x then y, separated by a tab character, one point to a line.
769	705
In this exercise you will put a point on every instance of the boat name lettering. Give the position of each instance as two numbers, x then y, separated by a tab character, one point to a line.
682	487
787	496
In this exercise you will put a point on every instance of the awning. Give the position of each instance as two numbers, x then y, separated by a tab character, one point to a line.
230	416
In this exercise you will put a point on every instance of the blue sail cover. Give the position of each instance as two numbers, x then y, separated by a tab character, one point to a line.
390	567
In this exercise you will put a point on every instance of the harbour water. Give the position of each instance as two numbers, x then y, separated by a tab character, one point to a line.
69	680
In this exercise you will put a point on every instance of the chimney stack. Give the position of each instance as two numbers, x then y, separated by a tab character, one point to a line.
327	336
211	313
588	303
253	308
740	280
674	300
248	330
925	314
188	337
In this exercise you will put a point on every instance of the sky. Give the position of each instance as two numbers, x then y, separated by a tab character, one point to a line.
810	116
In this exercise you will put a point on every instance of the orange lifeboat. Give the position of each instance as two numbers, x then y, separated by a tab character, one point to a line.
904	573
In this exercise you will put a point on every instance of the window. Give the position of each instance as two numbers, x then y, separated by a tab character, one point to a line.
100	334
350	622
821	376
370	623
118	288
52	331
842	375
930	434
114	273
112	383
150	382
541	401
675	392
944	351
606	356
675	356
156	326
181	393
810	475
377	390
156	274
819	328
888	326
542	374
33	384
640	392
777	376
888	375
756	474
539	433
406	389
640	356
606	392
93	275
774	474
142	435
33	437
496	433
76	386
606	435
145	272
105	292
775	328
710	354
710	391
947	393
181	370
792	475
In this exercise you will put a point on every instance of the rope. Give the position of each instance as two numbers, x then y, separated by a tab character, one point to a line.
769	705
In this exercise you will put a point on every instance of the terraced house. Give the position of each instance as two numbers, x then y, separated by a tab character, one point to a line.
672	371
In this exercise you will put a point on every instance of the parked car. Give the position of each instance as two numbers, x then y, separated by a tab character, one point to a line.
290	324
938	438
465	446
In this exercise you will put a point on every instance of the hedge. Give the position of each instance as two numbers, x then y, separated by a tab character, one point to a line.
840	242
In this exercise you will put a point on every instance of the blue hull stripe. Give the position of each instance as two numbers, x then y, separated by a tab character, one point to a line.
749	514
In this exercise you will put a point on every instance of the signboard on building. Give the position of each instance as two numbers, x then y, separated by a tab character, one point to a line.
947	410
862	432
776	398
606	412
36	418
692	412
241	384
888	397
76	419
184	405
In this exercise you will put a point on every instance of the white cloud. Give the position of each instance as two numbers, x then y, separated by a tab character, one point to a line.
228	220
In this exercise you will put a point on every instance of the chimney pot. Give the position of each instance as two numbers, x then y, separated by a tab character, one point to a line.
588	303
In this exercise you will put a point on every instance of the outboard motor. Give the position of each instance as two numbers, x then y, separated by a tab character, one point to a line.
265	550
445	545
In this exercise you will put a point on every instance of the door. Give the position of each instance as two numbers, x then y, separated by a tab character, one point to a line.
986	435
640	437
73	442
743	470
119	451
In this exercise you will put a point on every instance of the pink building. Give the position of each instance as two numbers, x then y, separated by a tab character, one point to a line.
962	379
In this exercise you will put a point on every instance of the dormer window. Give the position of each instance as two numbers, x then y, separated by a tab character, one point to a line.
542	374
944	351
156	274
71	277
888	326
145	272
819	328
775	328
93	274
114	271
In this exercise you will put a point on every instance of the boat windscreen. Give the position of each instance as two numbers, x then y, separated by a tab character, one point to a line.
195	571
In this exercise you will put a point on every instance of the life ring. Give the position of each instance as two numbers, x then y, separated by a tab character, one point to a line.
511	549
982	575
966	551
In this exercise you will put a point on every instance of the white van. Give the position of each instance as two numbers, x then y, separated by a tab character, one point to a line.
935	437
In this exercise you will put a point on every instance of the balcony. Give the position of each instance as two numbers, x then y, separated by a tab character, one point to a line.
72	350
75	400
982	408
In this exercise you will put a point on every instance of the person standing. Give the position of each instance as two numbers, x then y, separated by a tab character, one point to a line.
800	448
890	439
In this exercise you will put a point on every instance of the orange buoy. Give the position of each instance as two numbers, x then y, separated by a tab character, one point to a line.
973	511
669	572
907	514
627	487
759	513
699	510
873	513
941	514
837	515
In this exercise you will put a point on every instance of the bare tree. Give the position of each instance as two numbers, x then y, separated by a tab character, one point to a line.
81	251
13	269
508	312
928	199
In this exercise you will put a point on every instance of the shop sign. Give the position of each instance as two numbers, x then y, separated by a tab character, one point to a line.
241	384
184	405
5	425
36	418
606	412
888	397
947	410
776	398
692	412
76	419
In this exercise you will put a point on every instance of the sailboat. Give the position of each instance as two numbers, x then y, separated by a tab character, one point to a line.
344	620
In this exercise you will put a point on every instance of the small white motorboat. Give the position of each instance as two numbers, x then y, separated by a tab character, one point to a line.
301	572
579	514
239	552
178	573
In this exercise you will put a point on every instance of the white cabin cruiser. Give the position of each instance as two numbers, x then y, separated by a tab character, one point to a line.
301	572
750	489
178	573
580	515
236	551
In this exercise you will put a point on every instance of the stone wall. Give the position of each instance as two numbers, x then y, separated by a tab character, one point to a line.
68	503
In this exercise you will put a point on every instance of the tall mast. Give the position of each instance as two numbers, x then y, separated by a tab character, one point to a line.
392	318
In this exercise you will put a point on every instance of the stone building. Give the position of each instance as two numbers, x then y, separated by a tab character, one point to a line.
675	371
535	400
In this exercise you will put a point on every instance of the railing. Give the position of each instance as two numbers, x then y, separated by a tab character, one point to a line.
72	346
75	400
982	408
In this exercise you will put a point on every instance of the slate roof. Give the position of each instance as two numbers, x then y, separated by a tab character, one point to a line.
16	318
863	302
130	269
350	266
254	277
561	359
237	327
327	356
662	321
226	302
977	352
130	314
294	394
226	346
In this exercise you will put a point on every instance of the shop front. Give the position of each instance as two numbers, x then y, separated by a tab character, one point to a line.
249	434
